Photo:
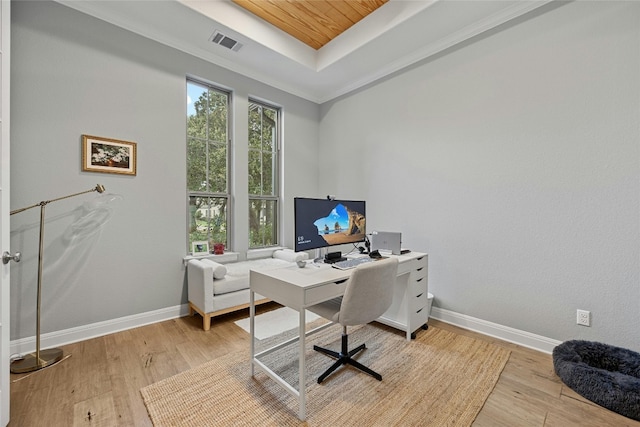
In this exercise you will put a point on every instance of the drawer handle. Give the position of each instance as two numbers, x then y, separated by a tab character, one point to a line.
419	310
418	296
420	259
420	269
339	282
420	279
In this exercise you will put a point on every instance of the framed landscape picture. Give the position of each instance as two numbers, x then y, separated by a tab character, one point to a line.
108	155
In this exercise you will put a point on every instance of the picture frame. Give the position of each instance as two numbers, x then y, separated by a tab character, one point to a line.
108	155
200	248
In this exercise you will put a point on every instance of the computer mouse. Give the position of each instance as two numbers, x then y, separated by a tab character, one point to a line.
375	254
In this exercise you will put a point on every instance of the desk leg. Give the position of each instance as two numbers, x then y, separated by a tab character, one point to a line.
302	413
252	321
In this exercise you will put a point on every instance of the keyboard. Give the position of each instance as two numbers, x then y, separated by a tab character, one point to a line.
351	263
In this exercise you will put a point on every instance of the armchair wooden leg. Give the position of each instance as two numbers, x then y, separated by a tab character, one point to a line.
206	322
206	318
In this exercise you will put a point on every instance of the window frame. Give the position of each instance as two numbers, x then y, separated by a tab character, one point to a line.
276	195
227	195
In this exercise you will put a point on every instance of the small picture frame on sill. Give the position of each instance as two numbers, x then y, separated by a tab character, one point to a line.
108	155
200	248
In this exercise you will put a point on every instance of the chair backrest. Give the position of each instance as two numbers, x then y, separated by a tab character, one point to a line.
369	292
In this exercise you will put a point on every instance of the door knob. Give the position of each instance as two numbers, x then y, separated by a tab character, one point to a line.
6	257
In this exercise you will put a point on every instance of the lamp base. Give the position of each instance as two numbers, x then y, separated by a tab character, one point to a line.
30	363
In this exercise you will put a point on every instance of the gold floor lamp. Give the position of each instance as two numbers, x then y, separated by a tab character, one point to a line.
42	358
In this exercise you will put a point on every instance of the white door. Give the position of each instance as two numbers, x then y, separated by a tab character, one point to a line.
5	32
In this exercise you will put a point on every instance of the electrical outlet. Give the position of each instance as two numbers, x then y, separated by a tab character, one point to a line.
584	318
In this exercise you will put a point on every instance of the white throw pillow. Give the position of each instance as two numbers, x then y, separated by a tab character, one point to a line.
289	255
219	270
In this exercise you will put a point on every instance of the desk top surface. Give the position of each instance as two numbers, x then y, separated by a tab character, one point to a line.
318	274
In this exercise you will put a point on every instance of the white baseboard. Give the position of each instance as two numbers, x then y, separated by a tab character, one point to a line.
93	330
505	333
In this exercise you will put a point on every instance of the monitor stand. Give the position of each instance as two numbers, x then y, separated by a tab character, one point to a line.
320	252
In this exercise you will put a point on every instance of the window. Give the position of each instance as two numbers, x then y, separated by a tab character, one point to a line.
264	125
208	163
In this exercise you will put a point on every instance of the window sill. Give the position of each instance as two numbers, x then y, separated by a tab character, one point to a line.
224	258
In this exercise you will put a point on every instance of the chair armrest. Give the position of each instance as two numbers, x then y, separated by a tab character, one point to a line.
200	285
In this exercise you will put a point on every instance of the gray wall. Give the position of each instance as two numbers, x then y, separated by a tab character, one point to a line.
515	162
118	254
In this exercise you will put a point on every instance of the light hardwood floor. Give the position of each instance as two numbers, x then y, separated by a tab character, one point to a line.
99	384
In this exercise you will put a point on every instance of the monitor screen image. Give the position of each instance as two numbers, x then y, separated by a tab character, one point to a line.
322	222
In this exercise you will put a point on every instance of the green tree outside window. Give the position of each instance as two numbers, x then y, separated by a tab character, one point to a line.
263	174
207	163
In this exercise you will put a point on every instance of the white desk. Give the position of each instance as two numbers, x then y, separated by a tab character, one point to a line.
299	288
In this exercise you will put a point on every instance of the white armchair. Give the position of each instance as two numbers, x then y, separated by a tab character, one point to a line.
215	289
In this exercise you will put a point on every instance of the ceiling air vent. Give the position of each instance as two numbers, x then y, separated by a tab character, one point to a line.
222	40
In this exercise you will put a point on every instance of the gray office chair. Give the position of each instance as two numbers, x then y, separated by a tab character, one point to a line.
368	294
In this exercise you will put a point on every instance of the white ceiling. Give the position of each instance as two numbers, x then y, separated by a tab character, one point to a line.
398	34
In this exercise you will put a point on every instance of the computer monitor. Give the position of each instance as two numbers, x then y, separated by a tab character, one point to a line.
323	222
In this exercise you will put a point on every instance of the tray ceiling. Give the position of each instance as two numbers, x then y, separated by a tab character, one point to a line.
392	35
313	22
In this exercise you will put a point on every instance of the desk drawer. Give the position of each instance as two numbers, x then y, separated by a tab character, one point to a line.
407	267
418	285
418	301
324	292
412	265
418	318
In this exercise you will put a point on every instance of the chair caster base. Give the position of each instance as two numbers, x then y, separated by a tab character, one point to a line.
345	359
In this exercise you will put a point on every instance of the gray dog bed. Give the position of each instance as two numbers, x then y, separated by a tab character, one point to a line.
604	374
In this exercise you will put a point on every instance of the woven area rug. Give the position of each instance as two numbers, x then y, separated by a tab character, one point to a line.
439	379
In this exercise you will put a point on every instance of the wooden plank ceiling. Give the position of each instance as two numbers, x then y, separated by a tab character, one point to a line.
313	22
